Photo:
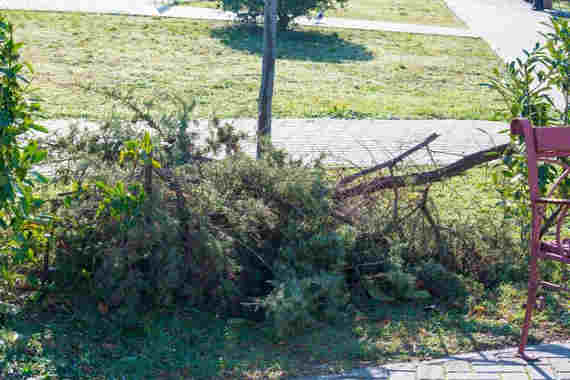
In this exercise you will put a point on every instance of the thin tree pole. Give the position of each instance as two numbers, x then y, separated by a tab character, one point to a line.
268	75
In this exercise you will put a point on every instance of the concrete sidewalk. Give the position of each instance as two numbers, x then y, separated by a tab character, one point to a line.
360	142
508	26
131	7
327	22
161	8
554	364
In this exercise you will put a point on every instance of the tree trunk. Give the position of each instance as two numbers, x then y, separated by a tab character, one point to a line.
268	75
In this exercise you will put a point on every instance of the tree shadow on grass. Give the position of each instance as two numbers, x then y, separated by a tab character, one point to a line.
300	45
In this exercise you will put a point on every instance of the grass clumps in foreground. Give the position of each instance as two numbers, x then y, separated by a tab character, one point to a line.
321	73
165	264
64	342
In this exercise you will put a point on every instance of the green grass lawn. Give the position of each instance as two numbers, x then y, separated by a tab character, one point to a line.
563	5
194	3
62	341
423	12
319	73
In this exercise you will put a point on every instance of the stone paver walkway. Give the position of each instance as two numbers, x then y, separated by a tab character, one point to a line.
361	142
554	364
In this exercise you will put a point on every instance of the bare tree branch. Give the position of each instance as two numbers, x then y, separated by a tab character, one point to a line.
416	179
390	163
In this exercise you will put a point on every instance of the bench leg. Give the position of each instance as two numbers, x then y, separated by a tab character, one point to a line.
530	302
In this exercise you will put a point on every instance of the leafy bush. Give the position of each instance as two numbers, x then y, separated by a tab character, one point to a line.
150	221
394	285
441	283
18	109
287	9
296	304
525	85
126	231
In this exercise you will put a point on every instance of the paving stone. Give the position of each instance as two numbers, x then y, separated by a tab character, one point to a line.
472	356
430	372
560	364
540	372
499	368
550	351
379	373
514	376
488	365
560	367
402	374
408	366
472	376
458	366
510	356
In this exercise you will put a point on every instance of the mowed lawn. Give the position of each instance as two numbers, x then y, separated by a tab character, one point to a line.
563	5
320	73
423	12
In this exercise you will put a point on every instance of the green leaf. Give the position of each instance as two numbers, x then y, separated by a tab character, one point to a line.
102	186
39	177
39	128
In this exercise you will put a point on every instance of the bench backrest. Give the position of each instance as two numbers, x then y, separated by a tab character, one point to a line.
542	144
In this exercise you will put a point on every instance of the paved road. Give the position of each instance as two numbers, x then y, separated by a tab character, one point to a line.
554	364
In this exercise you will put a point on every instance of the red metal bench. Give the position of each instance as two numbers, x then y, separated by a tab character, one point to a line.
549	145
